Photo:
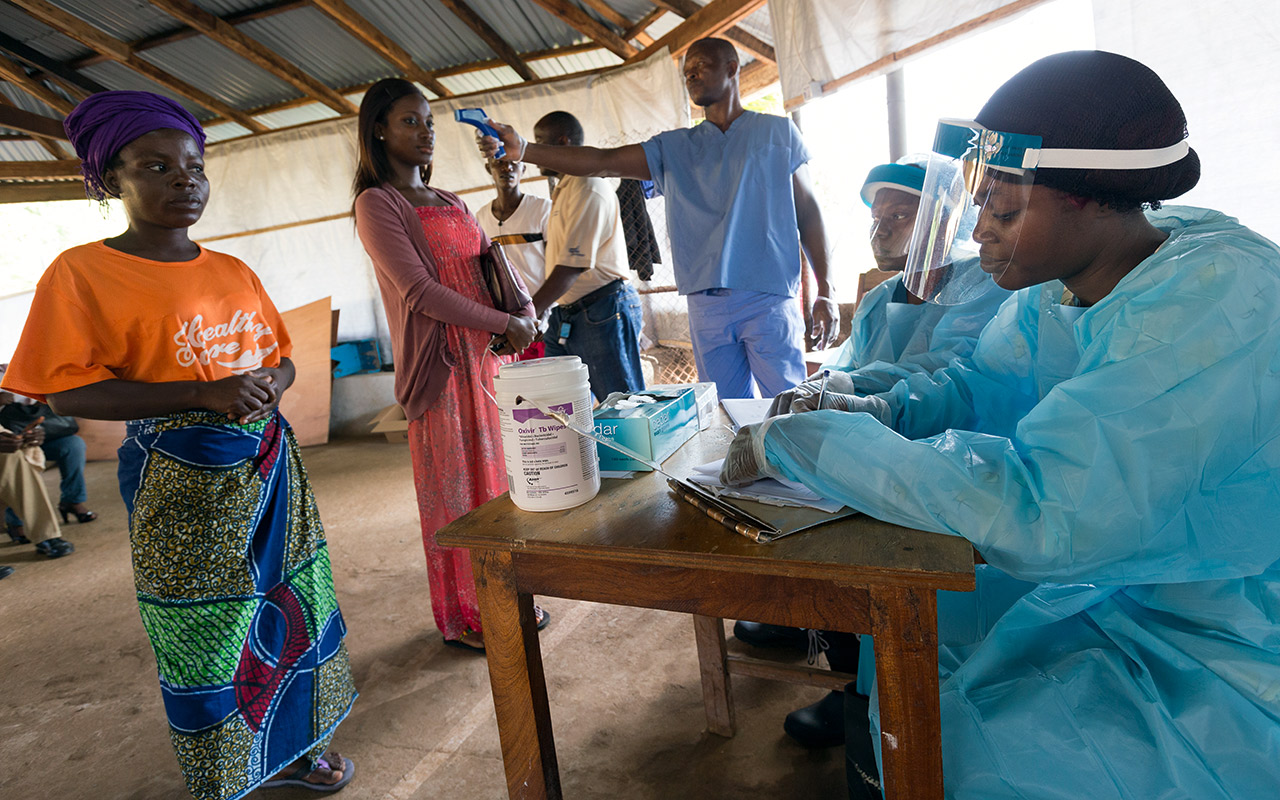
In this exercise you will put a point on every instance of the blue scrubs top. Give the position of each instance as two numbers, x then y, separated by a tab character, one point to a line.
731	214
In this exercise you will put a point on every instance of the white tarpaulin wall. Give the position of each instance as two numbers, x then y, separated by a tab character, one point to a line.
821	44
292	190
1219	59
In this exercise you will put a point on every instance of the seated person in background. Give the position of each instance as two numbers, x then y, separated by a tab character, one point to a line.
22	489
61	445
894	334
598	317
518	222
1110	449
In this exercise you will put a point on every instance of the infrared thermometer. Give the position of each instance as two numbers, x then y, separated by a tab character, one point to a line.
477	117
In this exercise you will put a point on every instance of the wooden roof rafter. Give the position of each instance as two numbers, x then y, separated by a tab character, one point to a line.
13	72
496	43
252	51
580	21
609	13
368	34
748	42
75	28
43	131
62	169
713	18
78	85
642	24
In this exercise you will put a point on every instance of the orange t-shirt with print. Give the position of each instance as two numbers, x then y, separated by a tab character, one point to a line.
99	314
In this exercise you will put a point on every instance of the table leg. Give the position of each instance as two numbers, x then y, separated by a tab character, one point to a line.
713	664
515	673
905	627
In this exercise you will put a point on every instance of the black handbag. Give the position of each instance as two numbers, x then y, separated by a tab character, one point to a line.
505	290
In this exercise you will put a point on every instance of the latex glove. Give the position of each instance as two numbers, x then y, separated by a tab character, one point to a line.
744	463
873	405
824	322
785	402
511	141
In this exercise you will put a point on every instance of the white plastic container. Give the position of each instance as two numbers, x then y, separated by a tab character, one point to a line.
549	467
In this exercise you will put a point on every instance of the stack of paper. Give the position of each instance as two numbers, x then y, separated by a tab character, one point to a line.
774	492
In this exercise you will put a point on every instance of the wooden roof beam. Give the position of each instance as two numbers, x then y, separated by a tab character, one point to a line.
641	24
368	34
72	26
61	169
253	51
580	21
16	75
33	124
610	14
184	32
40	192
711	19
495	42
752	44
77	84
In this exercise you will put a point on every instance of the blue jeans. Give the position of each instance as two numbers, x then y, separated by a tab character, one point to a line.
743	339
68	453
604	331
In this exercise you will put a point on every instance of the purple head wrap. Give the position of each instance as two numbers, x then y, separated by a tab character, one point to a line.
101	125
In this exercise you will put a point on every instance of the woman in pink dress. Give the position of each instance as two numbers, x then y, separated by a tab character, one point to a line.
425	246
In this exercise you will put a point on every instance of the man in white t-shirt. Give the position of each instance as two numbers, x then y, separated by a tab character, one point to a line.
518	222
598	317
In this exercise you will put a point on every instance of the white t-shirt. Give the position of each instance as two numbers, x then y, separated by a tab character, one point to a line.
529	222
586	233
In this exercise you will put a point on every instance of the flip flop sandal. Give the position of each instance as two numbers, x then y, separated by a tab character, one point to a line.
297	778
464	644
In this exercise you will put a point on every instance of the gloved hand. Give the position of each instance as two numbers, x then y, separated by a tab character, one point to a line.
743	463
872	405
785	402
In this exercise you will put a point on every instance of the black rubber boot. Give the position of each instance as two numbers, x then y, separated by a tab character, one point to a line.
818	725
859	755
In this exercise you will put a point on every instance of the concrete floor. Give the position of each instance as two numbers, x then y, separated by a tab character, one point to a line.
83	718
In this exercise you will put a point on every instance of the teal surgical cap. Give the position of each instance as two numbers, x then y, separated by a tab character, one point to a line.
903	177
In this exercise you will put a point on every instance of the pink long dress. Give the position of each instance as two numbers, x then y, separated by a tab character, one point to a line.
456	446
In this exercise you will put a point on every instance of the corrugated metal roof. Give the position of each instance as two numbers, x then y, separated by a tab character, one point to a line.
224	130
11	150
313	42
575	62
312	112
118	76
26	102
22	27
209	66
126	20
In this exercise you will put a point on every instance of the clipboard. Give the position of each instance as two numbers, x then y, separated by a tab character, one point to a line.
758	522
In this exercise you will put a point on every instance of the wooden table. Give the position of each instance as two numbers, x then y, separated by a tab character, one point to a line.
636	544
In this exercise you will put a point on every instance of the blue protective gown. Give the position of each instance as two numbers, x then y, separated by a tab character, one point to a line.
890	340
1119	468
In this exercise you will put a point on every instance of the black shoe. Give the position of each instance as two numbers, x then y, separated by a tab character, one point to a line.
5	572
55	548
859	751
761	634
818	725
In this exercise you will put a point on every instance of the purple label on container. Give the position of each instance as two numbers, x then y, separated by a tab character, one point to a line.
526	414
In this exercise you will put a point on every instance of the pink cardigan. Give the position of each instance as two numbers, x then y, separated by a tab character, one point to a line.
417	304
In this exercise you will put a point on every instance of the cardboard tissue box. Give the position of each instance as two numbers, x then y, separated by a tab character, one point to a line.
654	430
391	422
706	396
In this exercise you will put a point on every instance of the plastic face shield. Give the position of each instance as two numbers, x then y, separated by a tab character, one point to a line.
973	174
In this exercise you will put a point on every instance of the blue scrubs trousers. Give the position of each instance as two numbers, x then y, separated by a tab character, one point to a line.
744	339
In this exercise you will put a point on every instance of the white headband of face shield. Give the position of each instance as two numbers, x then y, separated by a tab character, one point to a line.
1063	158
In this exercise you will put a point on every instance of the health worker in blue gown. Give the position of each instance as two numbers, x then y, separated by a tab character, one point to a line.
1111	449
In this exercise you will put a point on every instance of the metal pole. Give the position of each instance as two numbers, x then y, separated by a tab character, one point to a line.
895	99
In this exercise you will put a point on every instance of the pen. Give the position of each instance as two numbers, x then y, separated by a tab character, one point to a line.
822	389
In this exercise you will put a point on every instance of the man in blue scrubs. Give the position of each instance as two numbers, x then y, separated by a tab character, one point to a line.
740	205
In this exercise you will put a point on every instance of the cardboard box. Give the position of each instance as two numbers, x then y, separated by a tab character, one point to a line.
655	430
392	423
353	358
707	396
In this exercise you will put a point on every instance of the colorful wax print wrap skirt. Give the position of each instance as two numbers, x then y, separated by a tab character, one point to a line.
233	580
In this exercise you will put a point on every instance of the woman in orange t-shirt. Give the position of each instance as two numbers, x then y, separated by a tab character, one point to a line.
229	557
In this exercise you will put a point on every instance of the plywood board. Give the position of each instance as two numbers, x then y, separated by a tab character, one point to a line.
306	404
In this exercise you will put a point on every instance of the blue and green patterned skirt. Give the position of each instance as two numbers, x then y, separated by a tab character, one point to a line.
233	580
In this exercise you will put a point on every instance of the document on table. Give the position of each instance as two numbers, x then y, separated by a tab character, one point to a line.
770	491
746	410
